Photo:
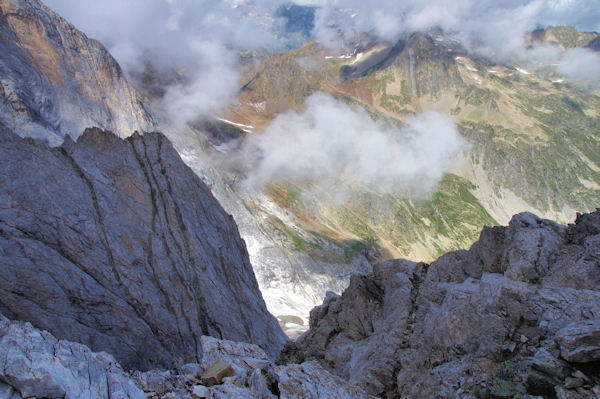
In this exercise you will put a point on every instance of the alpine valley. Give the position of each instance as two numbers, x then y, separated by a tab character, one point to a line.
357	221
532	146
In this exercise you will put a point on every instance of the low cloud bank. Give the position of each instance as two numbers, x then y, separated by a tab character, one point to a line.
202	38
335	146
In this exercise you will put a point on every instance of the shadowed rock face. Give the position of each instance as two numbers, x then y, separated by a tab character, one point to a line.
118	245
517	314
55	81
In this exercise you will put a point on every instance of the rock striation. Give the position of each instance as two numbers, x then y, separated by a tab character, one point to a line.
55	81
515	315
118	245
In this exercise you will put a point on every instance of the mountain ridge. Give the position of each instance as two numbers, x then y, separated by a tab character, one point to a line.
123	240
136	257
494	321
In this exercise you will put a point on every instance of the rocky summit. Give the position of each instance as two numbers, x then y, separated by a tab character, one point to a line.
517	315
116	244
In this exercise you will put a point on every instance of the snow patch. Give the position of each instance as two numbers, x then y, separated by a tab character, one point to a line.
245	128
466	65
341	57
523	71
358	57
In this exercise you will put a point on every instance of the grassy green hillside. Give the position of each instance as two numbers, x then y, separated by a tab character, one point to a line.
534	144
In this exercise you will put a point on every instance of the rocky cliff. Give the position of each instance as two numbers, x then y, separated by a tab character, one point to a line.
34	363
118	245
55	81
516	315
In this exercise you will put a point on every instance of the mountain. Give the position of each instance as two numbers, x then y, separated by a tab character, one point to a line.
112	243
515	315
531	133
57	82
116	244
565	37
533	147
516	122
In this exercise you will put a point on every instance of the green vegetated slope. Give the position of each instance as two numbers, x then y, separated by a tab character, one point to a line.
534	144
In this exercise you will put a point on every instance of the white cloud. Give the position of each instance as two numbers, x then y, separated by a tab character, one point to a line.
496	23
582	66
333	144
198	38
203	37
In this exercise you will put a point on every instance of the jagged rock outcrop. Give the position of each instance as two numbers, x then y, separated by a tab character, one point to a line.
517	314
118	245
55	81
34	363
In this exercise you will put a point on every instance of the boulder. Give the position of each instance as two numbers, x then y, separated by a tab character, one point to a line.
34	363
216	372
579	341
200	392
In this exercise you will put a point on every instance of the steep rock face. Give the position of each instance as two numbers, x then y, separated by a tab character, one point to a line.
118	245
516	314
55	81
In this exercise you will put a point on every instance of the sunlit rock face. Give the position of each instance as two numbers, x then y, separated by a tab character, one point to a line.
34	363
55	81
118	245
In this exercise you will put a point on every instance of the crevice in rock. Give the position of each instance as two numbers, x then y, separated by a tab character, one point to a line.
201	310
150	258
159	198
272	382
101	229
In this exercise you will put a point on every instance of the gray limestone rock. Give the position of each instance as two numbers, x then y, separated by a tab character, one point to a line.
579	341
472	321
118	245
34	363
310	380
547	363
